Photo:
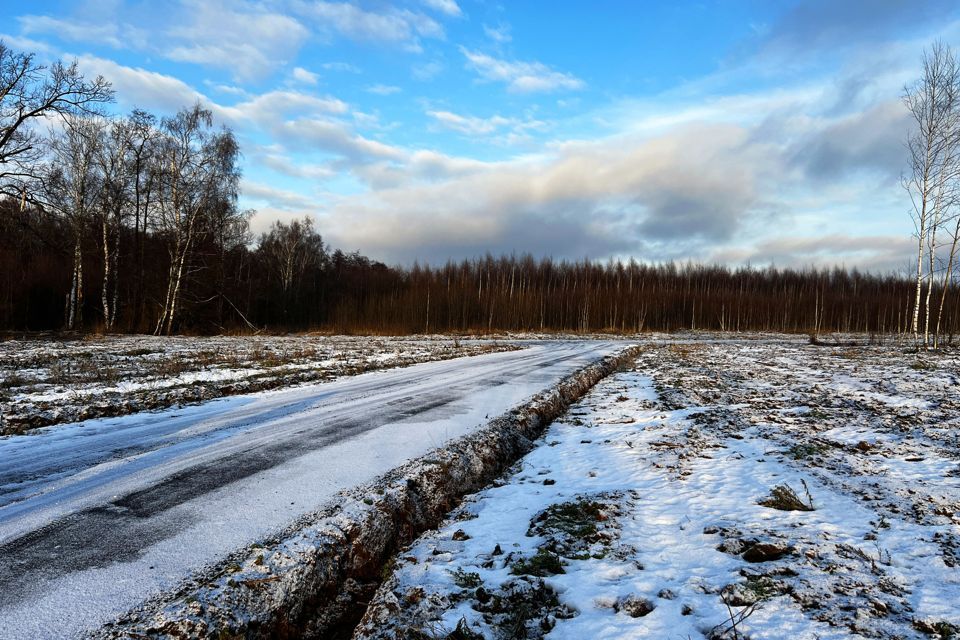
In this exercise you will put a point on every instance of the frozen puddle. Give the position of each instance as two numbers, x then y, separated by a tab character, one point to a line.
633	521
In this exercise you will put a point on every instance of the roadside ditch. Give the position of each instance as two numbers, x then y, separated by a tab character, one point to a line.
315	579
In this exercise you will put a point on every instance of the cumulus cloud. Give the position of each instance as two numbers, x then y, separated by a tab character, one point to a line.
274	105
140	87
390	25
606	195
707	182
418	166
521	77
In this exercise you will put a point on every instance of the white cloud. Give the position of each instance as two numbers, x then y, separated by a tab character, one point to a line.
873	252
283	164
345	67
427	70
389	26
449	7
303	76
475	126
227	89
273	105
521	77
108	33
383	89
279	198
468	124
25	45
316	134
142	88
507	204
238	36
499	34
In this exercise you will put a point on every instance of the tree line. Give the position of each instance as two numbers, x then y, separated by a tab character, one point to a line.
131	224
289	279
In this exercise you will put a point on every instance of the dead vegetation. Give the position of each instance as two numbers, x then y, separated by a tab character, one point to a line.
784	498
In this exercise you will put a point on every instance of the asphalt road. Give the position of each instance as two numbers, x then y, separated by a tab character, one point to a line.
97	516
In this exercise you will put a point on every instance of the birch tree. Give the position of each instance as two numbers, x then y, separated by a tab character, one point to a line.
197	169
116	169
933	104
73	189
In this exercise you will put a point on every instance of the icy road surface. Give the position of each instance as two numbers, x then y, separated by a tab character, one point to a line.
99	515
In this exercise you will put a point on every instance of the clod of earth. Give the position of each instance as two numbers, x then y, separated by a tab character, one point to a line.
766	551
634	606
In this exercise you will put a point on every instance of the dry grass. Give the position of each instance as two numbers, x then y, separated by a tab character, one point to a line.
784	498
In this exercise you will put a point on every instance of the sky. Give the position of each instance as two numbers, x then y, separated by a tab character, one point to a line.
719	131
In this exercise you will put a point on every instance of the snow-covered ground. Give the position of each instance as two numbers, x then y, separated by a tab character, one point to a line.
45	381
647	510
98	515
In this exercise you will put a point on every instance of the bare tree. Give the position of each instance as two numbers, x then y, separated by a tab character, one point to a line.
934	103
73	188
143	135
197	171
30	93
291	249
116	168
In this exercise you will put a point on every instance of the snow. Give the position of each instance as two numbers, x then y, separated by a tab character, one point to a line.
56	381
680	451
57	472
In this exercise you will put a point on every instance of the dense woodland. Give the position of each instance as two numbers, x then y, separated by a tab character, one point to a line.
130	224
289	280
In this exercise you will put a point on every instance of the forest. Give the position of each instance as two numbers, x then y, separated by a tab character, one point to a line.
130	223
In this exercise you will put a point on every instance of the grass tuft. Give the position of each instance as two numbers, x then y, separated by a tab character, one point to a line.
784	498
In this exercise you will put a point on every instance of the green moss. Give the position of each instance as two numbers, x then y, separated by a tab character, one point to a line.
466	580
544	563
806	450
576	519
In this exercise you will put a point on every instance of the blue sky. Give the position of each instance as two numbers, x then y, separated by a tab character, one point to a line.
717	131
